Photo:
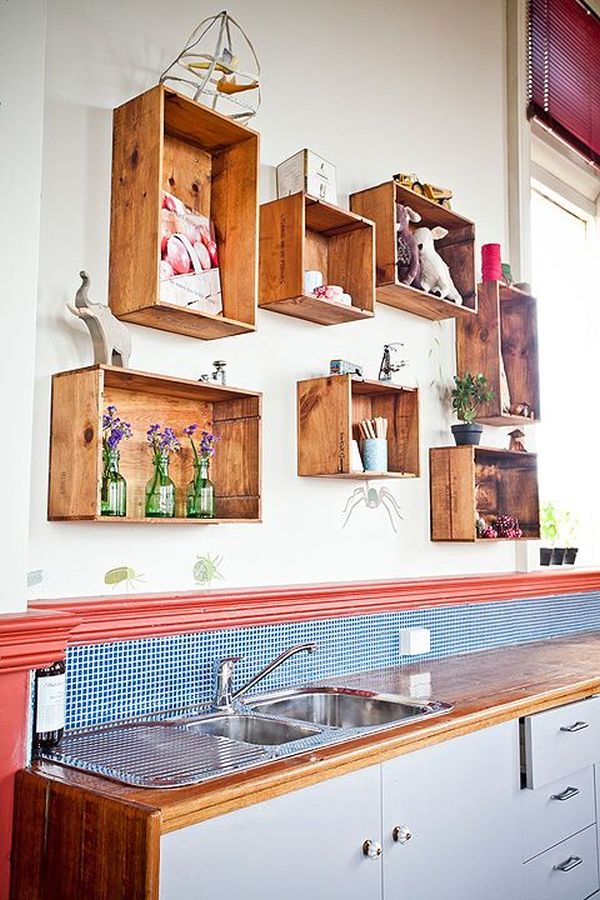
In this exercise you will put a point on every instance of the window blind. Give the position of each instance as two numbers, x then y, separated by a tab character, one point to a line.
564	72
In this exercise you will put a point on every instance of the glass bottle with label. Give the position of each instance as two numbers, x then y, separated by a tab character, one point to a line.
49	721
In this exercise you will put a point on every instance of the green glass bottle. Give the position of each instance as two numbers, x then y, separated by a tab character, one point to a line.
200	497
113	493
160	490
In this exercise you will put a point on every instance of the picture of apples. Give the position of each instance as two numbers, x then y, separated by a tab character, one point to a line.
169	203
165	270
178	257
212	252
203	255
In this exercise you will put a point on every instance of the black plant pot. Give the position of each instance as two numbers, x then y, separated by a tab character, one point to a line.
558	556
545	556
467	434
571	555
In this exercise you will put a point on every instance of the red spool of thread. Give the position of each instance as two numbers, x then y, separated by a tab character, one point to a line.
491	262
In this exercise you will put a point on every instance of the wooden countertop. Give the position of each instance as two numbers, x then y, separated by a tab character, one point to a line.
486	688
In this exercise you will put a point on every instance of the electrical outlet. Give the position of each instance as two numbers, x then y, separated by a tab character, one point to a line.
414	641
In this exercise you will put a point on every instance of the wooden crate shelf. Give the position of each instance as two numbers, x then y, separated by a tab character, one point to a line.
165	141
79	399
505	330
457	249
329	409
467	481
300	232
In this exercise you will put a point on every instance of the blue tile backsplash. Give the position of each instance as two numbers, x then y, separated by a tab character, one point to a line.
113	681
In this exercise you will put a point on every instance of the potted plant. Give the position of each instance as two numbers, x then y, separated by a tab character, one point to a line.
549	531
570	527
469	392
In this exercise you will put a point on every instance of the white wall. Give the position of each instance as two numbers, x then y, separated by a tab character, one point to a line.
375	87
22	37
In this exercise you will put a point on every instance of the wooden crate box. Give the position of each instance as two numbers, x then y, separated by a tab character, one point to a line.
505	330
300	232
457	249
329	410
466	481
79	399
164	141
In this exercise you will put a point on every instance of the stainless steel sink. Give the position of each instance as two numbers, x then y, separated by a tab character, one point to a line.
346	708
251	729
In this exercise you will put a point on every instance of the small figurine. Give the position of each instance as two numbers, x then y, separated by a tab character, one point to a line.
408	253
387	367
110	338
516	441
441	196
218	375
343	367
523	409
435	274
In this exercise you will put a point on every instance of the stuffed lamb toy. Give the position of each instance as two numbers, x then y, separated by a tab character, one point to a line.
435	274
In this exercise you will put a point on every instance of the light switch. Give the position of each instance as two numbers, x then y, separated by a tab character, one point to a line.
414	641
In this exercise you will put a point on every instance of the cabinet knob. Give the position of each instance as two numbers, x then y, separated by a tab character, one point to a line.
371	849
402	834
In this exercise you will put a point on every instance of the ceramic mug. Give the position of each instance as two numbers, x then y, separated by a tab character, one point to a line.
375	454
312	279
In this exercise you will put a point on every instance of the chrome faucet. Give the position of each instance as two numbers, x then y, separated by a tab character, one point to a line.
226	698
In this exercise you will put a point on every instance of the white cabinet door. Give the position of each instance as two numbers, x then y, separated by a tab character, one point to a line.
306	845
459	801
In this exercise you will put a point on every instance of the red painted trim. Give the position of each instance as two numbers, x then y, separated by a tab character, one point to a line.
120	618
34	639
14	702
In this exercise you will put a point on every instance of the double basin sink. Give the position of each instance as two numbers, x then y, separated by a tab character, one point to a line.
305	712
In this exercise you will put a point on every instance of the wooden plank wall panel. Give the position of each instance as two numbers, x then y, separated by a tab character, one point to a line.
74	451
324	426
281	260
351	264
378	204
478	344
135	204
103	849
235	215
187	174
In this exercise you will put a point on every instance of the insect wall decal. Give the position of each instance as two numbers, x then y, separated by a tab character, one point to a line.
206	570
373	499
123	575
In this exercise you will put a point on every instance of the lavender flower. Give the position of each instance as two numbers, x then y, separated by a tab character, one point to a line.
162	442
114	429
207	442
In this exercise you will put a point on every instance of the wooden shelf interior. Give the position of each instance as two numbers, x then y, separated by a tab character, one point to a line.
457	249
329	410
165	141
504	330
298	233
79	399
470	481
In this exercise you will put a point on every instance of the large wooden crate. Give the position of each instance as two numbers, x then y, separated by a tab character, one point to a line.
79	399
164	141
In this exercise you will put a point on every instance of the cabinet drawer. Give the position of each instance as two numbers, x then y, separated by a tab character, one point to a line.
555	811
568	871
560	741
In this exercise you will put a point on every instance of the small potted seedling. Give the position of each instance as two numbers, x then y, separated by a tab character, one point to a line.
570	529
549	532
469	392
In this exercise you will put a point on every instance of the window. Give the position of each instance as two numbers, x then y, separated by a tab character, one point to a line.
565	280
564	71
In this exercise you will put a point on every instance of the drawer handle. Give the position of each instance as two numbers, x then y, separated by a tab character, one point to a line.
571	863
566	794
576	726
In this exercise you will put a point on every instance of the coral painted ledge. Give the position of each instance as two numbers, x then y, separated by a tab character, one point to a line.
96	620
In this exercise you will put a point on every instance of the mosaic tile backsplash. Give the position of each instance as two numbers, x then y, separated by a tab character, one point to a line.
107	682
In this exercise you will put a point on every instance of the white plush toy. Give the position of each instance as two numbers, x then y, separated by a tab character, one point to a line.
435	274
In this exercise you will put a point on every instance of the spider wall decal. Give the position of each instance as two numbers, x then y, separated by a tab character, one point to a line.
373	499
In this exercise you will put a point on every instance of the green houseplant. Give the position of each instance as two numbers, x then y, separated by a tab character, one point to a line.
570	532
549	532
469	392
